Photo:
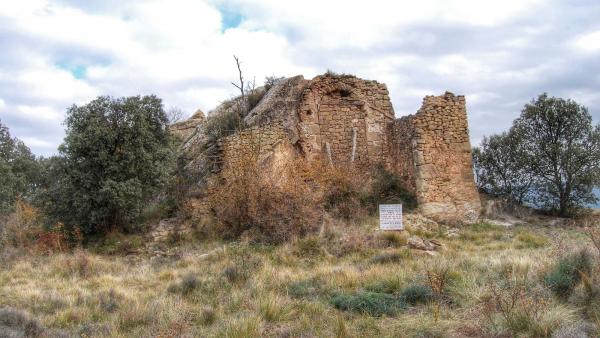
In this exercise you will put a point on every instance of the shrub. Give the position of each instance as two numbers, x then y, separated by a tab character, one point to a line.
207	316
309	246
520	307
394	238
233	274
270	205
343	190
186	285
371	303
22	227
19	171
14	323
388	187
566	273
417	294
109	301
117	156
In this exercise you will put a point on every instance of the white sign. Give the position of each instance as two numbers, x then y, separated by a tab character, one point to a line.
390	217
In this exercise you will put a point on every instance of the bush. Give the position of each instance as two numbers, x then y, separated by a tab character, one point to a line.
14	323
117	156
186	285
388	188
270	205
566	274
417	294
370	303
19	171
343	190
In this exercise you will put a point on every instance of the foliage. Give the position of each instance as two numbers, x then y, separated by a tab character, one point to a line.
342	192
520	307
271	81
566	274
371	303
270	206
417	294
19	171
501	168
549	158
116	157
186	285
387	187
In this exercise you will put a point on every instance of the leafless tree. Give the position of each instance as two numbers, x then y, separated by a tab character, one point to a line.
174	114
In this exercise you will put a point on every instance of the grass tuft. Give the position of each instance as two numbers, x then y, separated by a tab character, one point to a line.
370	303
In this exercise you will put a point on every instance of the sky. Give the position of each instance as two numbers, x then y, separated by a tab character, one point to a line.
499	54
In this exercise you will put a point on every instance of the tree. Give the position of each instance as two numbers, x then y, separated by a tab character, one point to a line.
550	157
116	156
18	170
563	152
501	168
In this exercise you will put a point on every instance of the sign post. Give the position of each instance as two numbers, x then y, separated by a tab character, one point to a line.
390	217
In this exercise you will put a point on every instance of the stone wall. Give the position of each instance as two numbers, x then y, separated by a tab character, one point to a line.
350	121
442	158
259	142
344	118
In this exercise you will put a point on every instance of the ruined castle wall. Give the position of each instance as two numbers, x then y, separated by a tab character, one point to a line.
401	135
339	113
323	117
257	143
442	156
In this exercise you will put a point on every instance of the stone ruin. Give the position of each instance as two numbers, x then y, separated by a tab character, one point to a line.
349	121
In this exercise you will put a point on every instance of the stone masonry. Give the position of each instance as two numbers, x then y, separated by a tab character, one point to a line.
349	121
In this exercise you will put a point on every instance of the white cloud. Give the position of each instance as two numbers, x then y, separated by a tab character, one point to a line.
589	42
498	53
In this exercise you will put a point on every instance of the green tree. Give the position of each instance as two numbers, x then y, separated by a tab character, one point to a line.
550	157
116	157
501	168
18	170
563	151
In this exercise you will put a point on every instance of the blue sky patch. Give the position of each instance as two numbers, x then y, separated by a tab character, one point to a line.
78	71
230	18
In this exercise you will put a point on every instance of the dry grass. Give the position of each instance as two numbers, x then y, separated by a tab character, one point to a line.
252	290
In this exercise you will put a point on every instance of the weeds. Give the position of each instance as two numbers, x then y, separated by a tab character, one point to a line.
370	303
566	274
186	285
417	294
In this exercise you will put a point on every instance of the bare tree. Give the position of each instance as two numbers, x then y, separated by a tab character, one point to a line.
240	86
174	114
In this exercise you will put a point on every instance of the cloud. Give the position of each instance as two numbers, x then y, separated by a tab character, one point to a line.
500	54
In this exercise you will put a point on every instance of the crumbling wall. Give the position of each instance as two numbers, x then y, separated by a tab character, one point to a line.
343	119
443	162
350	121
257	143
400	148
